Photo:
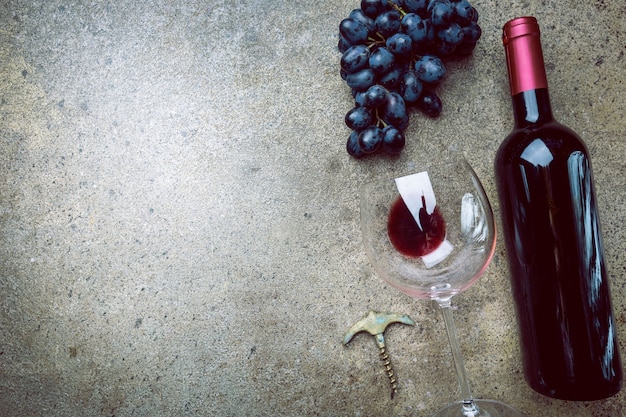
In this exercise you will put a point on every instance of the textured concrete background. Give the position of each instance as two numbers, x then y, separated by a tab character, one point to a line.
179	219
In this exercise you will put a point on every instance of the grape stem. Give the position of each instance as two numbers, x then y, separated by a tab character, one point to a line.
379	121
398	8
376	42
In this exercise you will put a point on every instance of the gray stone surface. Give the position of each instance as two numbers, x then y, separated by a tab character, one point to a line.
179	219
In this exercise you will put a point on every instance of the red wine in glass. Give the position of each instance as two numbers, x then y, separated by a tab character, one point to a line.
410	238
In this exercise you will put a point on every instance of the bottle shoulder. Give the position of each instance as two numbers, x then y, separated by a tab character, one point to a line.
553	138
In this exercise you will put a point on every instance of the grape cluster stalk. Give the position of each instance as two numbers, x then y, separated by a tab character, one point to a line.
393	54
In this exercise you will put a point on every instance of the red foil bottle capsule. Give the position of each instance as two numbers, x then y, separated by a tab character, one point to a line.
524	55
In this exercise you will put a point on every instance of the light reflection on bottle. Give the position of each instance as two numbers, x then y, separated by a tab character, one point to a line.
585	220
608	371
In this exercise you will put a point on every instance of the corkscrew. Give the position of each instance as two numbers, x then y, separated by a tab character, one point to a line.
375	324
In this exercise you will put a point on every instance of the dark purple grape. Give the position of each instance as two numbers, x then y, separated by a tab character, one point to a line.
475	16
430	104
471	35
465	49
353	32
430	69
373	8
358	118
440	12
361	80
452	34
355	58
393	140
359	16
375	96
394	110
399	44
359	98
403	123
370	139
391	79
353	147
388	23
343	44
381	60
464	12
415	27
443	48
431	33
414	6
472	32
410	87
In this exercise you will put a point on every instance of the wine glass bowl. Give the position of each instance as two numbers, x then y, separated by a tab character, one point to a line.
470	234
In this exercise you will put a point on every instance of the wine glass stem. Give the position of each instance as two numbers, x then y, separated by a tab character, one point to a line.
469	408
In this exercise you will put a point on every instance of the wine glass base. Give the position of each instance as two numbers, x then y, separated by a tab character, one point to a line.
486	408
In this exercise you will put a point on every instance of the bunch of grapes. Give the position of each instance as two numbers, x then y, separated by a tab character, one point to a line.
392	53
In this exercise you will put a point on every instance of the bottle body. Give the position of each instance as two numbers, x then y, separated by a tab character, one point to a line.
553	239
558	274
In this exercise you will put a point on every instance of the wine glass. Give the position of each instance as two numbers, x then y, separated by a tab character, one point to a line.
431	234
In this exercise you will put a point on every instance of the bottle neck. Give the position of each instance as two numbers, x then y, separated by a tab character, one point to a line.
527	73
532	107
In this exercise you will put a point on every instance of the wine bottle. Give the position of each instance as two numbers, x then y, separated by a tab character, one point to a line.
553	240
